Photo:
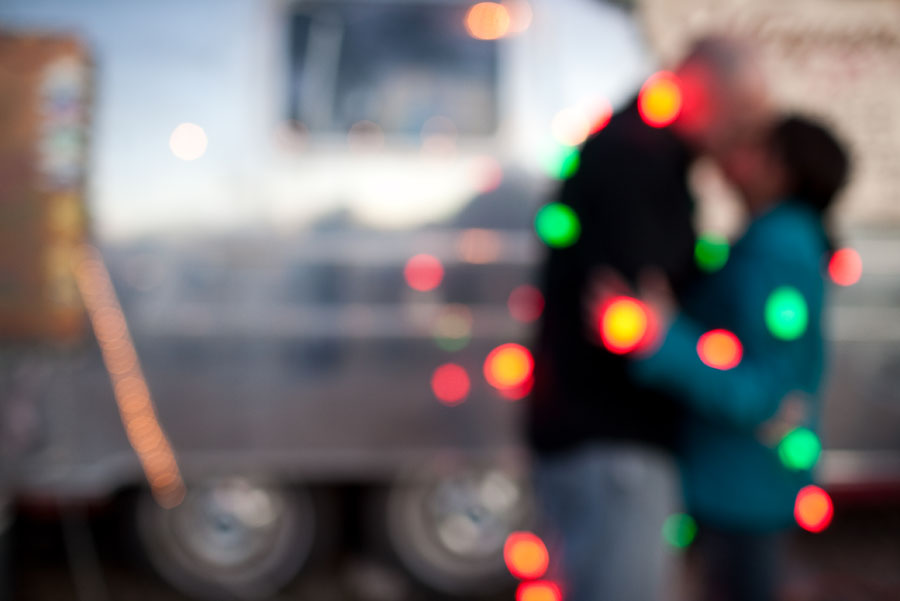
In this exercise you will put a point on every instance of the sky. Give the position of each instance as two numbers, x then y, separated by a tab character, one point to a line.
218	63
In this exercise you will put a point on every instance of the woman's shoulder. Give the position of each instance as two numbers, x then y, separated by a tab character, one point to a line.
790	232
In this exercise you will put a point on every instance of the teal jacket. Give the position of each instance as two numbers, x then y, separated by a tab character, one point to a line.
731	477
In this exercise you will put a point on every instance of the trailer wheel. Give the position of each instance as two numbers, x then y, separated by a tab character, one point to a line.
229	539
447	528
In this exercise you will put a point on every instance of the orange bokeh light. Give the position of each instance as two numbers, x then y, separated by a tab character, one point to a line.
813	508
488	21
508	367
423	272
525	303
659	101
538	590
624	324
720	349
525	555
450	383
845	267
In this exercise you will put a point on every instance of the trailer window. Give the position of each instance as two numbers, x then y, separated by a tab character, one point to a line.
394	65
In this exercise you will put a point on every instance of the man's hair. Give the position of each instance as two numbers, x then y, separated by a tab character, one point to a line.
724	55
817	163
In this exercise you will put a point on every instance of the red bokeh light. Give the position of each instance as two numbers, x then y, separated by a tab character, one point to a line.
845	267
508	367
538	590
525	555
526	303
450	383
720	349
601	118
515	393
624	324
423	272
813	508
660	101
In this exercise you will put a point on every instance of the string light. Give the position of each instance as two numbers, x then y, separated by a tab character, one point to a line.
679	530
450	383
538	590
786	313
720	349
624	324
659	101
845	267
799	449
525	555
561	161
488	21
557	225
129	385
711	252
508	366
423	272
813	509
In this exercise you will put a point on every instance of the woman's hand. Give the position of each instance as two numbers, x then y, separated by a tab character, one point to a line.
625	322
793	412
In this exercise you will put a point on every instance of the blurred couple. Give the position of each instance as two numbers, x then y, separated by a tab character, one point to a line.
624	442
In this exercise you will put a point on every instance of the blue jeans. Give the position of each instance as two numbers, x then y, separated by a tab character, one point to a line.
603	505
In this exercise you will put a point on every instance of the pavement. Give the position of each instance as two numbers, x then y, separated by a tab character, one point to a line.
88	556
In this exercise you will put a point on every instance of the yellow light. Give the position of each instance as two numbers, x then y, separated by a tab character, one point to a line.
659	101
623	324
508	366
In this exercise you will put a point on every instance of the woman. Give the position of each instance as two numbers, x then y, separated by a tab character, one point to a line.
770	295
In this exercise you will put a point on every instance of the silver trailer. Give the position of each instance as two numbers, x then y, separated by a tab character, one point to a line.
263	284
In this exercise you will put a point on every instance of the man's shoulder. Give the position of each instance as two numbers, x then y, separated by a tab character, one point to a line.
626	137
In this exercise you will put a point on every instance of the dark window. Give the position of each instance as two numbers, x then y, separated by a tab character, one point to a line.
395	64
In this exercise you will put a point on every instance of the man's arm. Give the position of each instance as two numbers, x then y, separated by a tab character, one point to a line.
616	194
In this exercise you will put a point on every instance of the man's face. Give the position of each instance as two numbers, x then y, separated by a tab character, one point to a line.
744	110
719	112
755	171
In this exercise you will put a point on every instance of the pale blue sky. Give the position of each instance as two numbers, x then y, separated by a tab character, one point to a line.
217	63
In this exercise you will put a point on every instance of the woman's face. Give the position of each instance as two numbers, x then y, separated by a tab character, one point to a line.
757	174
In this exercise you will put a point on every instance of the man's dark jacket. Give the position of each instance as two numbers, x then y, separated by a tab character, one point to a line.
631	196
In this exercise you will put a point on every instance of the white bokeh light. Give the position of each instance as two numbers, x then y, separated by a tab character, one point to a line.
188	141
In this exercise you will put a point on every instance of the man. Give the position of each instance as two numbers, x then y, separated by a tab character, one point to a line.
604	469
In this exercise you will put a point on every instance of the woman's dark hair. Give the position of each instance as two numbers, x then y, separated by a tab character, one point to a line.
817	162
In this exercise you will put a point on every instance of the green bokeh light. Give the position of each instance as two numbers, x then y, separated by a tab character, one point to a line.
679	530
557	225
452	344
453	328
786	313
711	252
799	449
561	162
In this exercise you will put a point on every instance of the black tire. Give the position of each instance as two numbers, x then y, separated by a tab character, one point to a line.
230	539
447	525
